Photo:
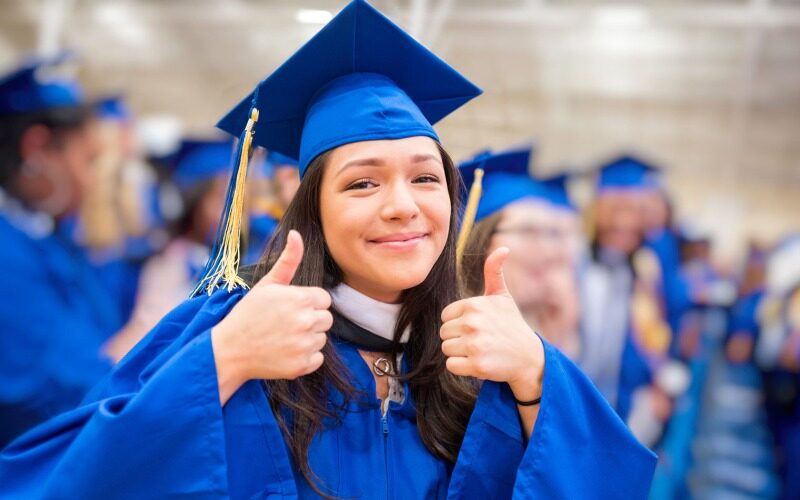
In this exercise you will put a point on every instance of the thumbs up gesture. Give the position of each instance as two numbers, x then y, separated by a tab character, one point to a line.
486	337
277	330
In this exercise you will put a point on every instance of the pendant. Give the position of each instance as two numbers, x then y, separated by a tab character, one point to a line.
382	367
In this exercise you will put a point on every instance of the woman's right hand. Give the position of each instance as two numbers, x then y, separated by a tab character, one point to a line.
277	331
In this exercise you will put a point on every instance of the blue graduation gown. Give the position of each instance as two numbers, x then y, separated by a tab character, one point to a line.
674	289
154	428
54	318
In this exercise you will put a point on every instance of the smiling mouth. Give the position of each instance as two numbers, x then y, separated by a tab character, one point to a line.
399	241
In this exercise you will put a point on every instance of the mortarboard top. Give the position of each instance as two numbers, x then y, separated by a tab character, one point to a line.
557	191
360	78
628	172
276	159
35	86
505	180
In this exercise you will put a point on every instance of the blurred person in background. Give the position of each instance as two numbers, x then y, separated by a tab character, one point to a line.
777	352
625	336
55	313
744	330
525	215
101	225
200	170
272	188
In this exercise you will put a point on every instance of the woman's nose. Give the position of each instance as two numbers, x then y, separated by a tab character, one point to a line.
400	203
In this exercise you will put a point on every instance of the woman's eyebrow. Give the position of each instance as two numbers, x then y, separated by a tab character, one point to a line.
426	157
363	162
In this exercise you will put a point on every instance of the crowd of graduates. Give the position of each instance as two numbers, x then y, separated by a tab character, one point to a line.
107	223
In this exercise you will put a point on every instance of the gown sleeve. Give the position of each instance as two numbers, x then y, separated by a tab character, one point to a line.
154	424
579	447
49	347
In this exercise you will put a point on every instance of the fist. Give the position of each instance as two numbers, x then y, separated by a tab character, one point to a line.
277	331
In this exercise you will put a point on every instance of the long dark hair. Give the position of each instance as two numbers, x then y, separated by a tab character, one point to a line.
443	401
475	252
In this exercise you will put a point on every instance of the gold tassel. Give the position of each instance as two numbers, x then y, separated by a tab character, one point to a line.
227	269
469	213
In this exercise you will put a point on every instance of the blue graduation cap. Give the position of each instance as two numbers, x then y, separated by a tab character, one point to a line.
113	108
275	159
505	180
557	191
35	86
628	172
360	78
198	160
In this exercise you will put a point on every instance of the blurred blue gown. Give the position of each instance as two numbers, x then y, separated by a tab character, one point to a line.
154	428
55	316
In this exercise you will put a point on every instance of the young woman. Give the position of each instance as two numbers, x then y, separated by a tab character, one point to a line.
245	395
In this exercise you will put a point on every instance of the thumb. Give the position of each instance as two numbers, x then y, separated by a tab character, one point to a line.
494	282
283	271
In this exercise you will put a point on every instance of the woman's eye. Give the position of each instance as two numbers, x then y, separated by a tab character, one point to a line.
361	184
426	179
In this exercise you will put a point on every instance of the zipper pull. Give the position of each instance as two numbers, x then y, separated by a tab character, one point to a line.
385	423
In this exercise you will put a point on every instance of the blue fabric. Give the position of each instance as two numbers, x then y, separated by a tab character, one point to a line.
199	160
635	373
359	78
505	180
744	317
27	90
262	226
276	159
628	172
557	191
113	108
674	289
55	316
154	428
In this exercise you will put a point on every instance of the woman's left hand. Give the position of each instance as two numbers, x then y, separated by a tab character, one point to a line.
486	337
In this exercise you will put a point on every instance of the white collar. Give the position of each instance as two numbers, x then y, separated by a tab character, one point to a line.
373	315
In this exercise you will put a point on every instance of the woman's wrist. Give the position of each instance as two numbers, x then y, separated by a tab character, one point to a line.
528	385
229	364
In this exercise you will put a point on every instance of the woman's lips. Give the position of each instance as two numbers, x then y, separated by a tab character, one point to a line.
400	241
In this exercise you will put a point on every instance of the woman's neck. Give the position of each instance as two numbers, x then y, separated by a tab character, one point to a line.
381	295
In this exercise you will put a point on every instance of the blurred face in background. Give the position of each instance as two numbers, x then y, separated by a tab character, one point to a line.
620	221
208	210
536	236
58	167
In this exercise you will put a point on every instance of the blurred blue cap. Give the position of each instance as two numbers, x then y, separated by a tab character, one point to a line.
505	180
113	108
630	173
35	86
198	160
558	194
276	159
360	78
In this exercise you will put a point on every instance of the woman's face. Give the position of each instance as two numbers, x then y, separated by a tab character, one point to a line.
385	211
209	211
620	221
537	240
